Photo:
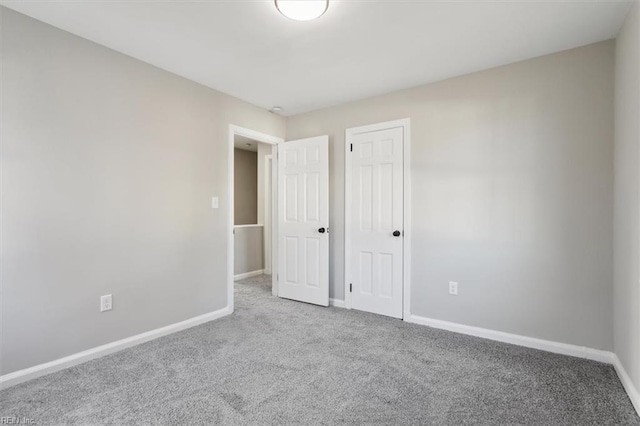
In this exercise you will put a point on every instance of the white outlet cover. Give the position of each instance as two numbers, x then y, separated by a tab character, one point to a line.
214	202
453	288
106	303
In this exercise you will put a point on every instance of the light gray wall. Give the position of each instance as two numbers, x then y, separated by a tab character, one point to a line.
108	169
245	187
248	247
512	175
627	201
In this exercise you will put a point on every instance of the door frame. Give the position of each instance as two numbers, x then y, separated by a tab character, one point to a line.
273	141
267	202
406	187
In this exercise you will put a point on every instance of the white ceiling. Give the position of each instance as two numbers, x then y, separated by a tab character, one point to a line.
244	143
358	49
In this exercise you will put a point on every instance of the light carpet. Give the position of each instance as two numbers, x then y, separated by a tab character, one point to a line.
276	361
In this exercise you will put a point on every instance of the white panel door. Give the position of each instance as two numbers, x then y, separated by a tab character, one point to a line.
376	221
303	220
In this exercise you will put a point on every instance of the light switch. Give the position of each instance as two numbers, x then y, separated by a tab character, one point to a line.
214	202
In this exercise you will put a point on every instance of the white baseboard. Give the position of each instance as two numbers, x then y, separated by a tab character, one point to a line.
20	376
544	345
248	275
337	303
628	385
515	339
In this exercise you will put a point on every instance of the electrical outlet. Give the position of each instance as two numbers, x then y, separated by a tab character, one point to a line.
106	303
214	203
453	288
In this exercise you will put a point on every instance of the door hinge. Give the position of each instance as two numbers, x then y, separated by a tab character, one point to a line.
351	288
351	147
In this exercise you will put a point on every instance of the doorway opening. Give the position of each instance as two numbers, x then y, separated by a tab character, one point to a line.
252	169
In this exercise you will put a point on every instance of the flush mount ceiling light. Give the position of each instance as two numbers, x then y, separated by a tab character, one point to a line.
302	10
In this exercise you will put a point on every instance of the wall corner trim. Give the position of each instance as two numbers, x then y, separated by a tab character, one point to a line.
39	370
515	339
632	391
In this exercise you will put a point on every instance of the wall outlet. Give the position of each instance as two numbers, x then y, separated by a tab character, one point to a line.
106	303
453	288
214	203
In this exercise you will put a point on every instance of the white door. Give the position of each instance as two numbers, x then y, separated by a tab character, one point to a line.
303	220
376	221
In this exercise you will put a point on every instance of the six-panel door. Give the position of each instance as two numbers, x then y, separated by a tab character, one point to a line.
303	220
376	221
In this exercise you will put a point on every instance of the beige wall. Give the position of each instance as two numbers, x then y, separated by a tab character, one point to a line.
108	169
248	248
512	174
245	195
627	201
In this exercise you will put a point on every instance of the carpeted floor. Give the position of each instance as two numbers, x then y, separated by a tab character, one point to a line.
276	361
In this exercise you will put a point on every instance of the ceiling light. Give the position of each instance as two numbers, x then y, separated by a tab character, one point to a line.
276	109
302	10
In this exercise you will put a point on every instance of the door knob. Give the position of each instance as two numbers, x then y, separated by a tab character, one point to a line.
321	230
396	233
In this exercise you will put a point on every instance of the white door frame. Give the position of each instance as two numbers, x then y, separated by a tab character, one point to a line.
271	140
268	221
406	244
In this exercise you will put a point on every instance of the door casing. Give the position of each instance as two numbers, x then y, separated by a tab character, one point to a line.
268	194
406	246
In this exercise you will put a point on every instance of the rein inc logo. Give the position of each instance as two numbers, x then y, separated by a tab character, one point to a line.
8	420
